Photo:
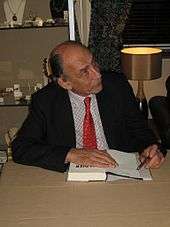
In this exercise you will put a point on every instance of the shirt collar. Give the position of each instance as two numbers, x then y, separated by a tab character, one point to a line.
77	97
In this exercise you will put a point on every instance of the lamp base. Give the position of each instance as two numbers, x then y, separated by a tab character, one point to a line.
143	106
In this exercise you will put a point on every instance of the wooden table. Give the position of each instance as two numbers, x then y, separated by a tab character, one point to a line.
34	197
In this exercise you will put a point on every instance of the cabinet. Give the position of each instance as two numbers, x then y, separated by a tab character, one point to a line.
22	53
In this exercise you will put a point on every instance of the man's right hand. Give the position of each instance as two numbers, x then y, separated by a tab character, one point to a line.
94	158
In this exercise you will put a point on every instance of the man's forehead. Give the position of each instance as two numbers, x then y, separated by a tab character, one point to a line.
75	54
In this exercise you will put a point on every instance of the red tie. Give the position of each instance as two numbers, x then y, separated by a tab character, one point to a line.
89	135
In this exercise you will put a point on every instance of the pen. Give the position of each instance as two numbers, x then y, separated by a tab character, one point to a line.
143	163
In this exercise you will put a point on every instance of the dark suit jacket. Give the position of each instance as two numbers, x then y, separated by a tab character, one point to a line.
48	132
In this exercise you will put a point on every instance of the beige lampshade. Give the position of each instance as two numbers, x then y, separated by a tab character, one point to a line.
141	63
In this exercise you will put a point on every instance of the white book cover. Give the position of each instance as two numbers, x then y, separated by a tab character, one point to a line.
127	169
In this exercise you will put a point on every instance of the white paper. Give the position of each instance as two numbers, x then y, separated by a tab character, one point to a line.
128	163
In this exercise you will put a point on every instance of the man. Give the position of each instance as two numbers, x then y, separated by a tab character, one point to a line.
52	136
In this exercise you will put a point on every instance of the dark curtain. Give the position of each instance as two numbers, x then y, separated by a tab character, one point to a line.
108	19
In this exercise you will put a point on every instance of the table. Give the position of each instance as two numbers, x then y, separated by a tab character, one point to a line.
35	197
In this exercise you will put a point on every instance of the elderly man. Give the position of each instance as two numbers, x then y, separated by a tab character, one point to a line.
81	115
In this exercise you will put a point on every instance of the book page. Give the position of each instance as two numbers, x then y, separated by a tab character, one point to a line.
128	164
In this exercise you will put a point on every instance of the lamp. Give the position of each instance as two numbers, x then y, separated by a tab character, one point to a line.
141	63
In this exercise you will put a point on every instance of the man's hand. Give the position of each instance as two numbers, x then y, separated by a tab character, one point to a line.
155	157
94	157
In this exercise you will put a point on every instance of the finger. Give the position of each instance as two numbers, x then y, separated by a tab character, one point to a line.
154	147
99	164
92	162
102	153
154	150
156	161
161	160
151	163
148	152
98	153
142	158
104	160
106	157
89	158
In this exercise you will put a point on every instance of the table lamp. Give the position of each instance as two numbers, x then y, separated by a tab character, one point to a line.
141	63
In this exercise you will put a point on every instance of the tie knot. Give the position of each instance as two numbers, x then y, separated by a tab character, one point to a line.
87	101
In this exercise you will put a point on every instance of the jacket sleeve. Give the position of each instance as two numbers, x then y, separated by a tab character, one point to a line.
141	135
30	146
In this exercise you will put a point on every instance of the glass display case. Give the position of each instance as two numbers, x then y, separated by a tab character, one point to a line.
29	13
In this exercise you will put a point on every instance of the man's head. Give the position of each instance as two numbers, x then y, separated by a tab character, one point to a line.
76	70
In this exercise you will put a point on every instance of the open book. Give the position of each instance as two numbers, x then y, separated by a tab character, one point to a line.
127	169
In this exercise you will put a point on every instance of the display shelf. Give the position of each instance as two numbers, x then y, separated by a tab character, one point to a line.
34	27
11	102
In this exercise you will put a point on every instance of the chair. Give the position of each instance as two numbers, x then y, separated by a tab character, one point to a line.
51	69
160	111
46	71
9	137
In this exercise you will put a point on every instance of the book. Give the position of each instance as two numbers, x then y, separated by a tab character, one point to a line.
127	169
85	173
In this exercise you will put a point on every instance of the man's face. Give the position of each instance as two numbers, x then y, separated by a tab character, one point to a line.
81	71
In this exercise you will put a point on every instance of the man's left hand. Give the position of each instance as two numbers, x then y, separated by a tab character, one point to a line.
155	157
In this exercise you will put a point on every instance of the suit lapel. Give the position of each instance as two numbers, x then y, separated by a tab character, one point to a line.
106	110
65	127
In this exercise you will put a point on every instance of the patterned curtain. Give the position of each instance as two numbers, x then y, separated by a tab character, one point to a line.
108	19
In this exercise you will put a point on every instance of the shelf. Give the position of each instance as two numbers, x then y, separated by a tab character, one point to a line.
11	102
34	27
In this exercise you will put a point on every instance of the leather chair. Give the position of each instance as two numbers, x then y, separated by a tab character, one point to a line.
160	111
49	66
46	71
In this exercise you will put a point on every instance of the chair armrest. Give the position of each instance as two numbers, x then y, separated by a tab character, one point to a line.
161	116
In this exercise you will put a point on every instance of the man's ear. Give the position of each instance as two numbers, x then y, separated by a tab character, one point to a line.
64	83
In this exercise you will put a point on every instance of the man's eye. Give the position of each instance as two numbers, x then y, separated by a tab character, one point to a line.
84	72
